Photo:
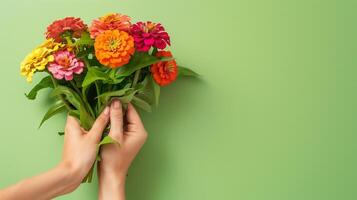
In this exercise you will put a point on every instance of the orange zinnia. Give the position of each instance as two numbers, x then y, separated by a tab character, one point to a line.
114	48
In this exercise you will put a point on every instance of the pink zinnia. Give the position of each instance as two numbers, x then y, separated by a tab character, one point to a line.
148	34
71	24
65	65
112	21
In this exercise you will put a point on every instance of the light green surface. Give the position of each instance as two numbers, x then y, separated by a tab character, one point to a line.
273	118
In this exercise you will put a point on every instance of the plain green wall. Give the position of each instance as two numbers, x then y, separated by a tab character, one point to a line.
274	116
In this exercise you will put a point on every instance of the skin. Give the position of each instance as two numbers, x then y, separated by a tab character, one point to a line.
79	154
113	168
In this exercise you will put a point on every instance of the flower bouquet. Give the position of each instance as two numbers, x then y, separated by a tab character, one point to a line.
112	58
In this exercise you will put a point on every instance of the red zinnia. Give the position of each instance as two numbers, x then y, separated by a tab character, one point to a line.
164	72
149	34
71	24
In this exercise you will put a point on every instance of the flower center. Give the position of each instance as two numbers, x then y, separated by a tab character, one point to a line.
169	67
110	18
114	43
64	61
149	27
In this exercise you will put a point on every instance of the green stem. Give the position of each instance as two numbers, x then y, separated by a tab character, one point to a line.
85	100
87	105
96	86
61	96
88	177
75	87
154	51
136	78
86	62
69	41
98	93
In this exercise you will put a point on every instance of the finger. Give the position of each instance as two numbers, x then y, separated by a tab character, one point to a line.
132	117
116	120
72	124
99	125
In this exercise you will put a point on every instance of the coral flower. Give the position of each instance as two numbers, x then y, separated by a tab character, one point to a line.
65	64
164	72
70	24
114	48
39	58
148	34
111	21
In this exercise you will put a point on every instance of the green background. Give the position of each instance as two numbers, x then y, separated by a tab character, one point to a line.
273	117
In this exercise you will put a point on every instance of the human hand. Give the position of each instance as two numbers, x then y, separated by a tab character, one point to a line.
80	147
79	153
115	161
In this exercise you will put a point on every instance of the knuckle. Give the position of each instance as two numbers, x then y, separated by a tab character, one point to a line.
115	135
102	119
92	136
117	112
145	135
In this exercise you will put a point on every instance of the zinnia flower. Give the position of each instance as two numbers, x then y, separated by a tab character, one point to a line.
164	72
70	24
39	58
114	48
148	34
112	21
65	64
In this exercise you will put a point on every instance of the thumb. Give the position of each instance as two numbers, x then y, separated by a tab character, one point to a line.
99	125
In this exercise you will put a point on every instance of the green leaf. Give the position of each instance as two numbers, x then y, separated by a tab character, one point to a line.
114	78
156	90
74	113
127	98
124	95
85	39
150	91
108	95
46	82
106	140
94	74
61	133
56	108
138	61
85	119
70	95
141	104
183	71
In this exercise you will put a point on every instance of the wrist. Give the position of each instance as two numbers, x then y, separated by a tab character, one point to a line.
70	176
111	184
109	170
112	176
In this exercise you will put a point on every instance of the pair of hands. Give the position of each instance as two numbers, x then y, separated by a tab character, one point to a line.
79	154
80	149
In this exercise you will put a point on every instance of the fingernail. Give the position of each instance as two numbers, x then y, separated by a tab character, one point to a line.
116	103
106	110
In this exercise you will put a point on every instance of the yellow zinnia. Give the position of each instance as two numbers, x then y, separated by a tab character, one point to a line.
39	58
